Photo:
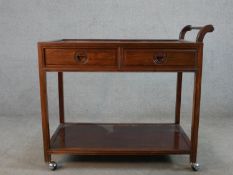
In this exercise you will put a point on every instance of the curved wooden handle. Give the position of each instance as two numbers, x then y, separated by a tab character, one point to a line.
201	34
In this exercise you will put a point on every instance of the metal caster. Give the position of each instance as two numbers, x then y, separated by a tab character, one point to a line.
195	166
52	165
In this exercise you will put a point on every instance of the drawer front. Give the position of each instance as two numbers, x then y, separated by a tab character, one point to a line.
81	57
155	57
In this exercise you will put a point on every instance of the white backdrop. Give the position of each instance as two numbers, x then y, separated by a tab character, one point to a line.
113	97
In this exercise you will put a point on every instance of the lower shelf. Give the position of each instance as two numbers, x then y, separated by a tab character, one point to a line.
119	139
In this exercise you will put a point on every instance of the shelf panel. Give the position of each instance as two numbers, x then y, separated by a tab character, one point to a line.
119	139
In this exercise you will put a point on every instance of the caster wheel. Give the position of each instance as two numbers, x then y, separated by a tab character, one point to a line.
195	166
52	165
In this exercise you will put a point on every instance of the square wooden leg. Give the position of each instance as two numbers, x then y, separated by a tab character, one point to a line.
61	97
44	115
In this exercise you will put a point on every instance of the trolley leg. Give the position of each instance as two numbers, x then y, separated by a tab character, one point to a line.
195	120
178	96
61	97
44	115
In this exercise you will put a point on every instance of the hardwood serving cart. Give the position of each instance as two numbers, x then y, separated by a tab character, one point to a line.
73	55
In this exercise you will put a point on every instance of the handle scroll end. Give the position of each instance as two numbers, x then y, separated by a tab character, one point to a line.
184	31
203	31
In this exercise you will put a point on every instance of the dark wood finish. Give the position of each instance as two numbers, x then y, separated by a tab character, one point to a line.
44	109
201	34
123	139
81	57
61	97
196	107
203	31
122	56
105	56
178	96
161	57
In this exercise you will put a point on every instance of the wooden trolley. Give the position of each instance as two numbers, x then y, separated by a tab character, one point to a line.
122	56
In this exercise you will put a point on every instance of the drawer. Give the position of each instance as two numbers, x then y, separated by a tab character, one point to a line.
81	57
159	57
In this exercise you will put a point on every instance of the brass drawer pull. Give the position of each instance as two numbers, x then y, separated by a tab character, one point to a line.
81	57
160	58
